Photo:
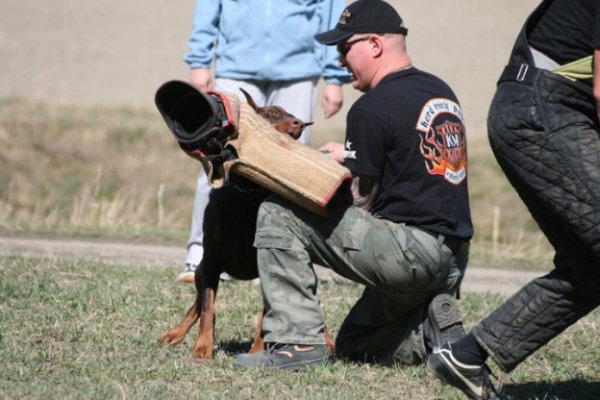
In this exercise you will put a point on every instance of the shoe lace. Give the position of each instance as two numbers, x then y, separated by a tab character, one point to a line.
272	347
487	386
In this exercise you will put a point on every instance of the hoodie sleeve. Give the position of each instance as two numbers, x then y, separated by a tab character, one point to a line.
205	28
330	11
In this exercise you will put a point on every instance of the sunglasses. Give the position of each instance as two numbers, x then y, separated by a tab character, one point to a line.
344	47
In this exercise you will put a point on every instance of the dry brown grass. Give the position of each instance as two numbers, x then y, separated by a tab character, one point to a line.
91	167
104	171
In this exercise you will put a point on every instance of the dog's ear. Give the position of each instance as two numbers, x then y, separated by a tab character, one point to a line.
250	100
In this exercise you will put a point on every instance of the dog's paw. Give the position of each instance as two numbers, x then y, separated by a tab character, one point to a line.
202	354
172	337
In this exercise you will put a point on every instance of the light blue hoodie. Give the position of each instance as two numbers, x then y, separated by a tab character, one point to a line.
269	40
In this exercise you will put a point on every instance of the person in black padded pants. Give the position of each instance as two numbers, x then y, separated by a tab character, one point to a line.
544	131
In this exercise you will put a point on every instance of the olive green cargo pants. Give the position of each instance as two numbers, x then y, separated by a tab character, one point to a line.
402	268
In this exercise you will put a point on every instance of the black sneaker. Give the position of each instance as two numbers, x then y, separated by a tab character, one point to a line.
473	380
285	356
444	321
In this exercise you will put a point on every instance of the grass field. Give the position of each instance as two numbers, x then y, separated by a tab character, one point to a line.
83	329
88	330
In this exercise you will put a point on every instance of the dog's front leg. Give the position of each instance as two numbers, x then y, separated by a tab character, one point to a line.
206	335
178	332
258	345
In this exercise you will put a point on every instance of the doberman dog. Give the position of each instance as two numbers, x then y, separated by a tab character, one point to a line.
229	229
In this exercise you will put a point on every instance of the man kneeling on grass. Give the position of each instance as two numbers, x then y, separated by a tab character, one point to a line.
406	235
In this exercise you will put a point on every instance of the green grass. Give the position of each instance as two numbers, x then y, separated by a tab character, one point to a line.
89	330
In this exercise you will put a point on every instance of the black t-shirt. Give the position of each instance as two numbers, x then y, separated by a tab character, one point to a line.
569	30
408	131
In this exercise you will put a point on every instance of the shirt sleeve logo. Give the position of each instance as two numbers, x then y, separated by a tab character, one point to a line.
443	139
348	153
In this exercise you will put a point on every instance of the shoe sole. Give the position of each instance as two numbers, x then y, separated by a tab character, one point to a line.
301	366
187	277
446	319
298	366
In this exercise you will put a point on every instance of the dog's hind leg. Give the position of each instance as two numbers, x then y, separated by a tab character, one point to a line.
258	345
329	342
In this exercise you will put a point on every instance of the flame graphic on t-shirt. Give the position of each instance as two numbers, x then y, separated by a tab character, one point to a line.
443	140
445	151
432	152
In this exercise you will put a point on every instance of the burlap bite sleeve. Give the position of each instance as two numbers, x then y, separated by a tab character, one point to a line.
249	146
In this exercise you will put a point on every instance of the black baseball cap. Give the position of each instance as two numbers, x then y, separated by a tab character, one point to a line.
364	16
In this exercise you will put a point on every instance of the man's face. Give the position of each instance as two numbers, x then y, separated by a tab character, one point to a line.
355	56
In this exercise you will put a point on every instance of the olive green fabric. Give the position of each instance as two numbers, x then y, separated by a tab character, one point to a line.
402	267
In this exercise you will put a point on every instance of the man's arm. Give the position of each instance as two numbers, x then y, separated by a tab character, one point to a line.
597	80
328	12
205	29
364	188
364	191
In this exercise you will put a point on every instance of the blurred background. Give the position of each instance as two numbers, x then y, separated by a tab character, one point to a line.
83	151
118	52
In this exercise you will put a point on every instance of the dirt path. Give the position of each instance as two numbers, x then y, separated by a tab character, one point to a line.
478	279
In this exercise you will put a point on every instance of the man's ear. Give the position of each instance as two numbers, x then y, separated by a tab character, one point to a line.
376	43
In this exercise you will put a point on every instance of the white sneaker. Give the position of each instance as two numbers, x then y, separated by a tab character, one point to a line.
225	276
472	380
187	275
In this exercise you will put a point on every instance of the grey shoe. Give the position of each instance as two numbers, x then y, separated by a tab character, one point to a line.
292	357
472	380
444	321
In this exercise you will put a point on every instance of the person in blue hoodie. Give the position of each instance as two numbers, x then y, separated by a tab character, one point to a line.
267	48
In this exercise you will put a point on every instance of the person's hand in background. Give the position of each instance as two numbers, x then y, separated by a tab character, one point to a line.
201	79
332	100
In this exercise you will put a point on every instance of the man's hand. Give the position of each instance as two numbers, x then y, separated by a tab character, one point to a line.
201	79
334	150
332	100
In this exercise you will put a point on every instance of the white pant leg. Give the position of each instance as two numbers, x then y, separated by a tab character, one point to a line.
254	88
296	97
195	249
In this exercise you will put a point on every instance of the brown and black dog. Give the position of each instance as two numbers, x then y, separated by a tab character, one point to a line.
229	229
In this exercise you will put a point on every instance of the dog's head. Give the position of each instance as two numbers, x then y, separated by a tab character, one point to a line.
280	119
